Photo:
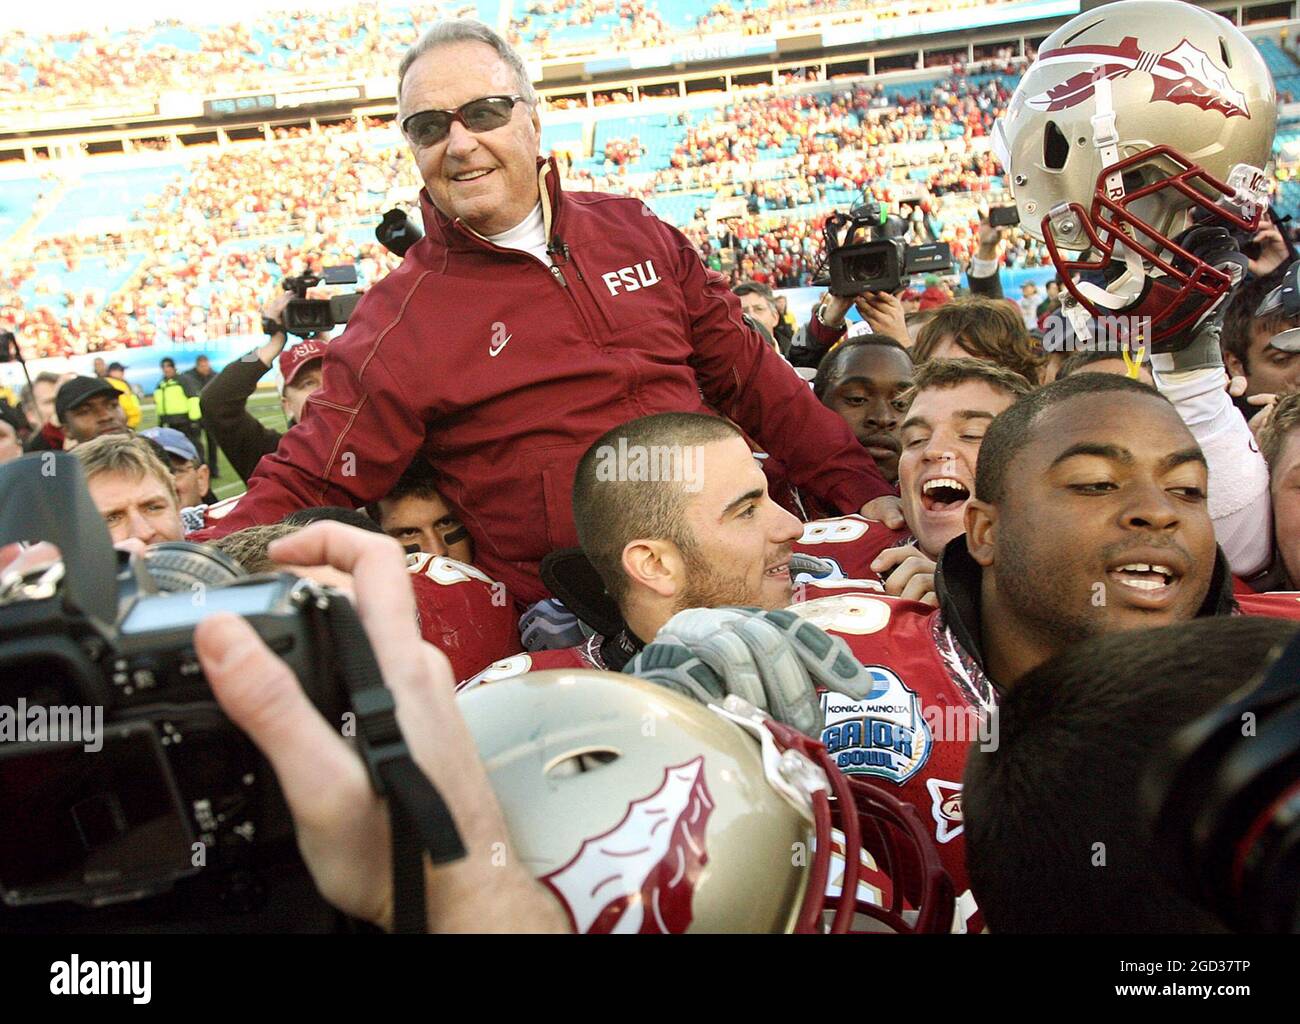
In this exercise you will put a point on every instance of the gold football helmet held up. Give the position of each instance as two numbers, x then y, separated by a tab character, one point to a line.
645	811
1136	120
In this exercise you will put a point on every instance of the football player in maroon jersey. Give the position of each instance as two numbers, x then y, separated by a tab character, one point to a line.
950	405
863	379
1074	530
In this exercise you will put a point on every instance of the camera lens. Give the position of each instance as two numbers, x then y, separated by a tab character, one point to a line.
177	565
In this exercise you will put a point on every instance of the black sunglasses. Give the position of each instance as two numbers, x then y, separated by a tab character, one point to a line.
429	127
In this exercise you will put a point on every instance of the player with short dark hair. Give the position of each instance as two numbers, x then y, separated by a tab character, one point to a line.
863	380
1246	337
417	515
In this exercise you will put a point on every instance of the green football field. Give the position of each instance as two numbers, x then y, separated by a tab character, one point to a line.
264	405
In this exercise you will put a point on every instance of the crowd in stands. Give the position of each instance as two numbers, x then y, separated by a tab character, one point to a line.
196	279
546	26
816	149
356	40
69	69
193	283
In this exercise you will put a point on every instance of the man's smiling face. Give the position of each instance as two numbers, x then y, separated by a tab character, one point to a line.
941	437
487	179
742	539
1104	526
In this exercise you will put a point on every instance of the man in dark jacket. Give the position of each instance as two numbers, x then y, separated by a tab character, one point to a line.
224	402
524	325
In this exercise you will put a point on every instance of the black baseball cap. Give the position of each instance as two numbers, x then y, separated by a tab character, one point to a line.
78	390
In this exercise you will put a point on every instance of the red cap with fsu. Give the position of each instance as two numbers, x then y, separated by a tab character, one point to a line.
293	359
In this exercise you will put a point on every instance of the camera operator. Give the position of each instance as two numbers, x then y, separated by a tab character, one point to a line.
133	490
223	403
610	309
881	310
343	827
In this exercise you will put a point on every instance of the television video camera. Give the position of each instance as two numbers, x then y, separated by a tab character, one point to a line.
121	779
305	317
1223	803
866	251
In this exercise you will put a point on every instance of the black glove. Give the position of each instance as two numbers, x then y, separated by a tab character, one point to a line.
1197	347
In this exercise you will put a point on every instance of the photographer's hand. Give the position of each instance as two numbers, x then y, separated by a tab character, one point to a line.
990	240
834	309
1272	251
342	825
274	344
883	312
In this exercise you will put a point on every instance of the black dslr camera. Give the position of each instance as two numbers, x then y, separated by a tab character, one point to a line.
866	252
123	786
305	317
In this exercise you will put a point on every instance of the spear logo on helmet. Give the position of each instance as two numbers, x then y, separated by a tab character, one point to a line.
640	875
1184	74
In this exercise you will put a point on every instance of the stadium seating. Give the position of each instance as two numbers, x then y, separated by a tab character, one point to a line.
104	197
1280	63
17	197
209	238
91	277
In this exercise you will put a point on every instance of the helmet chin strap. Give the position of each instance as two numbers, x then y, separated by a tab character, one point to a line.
1127	288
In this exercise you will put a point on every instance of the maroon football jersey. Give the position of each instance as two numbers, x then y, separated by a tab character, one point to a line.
462	612
1278	604
850	544
928	704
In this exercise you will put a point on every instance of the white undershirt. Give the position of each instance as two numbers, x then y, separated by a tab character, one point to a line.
529	236
1240	504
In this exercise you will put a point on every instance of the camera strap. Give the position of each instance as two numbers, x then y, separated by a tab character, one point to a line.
420	819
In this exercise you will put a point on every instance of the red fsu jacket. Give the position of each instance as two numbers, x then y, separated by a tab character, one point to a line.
503	371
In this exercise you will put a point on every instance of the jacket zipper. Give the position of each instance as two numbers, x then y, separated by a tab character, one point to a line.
557	249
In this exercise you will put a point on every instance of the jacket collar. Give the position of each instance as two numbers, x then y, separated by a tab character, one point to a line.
957	585
455	234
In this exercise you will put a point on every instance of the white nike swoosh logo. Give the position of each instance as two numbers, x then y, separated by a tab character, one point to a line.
495	350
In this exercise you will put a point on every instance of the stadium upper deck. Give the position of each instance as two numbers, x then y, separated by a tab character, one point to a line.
170	66
112	250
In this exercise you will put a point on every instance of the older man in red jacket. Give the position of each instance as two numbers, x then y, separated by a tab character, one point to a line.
524	325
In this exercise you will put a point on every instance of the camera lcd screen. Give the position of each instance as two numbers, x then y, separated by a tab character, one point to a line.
187	610
73	822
